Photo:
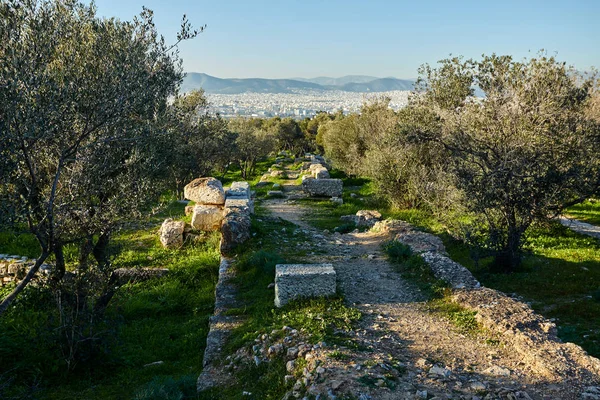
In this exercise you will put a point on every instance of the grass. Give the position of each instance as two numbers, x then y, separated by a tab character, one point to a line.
317	319
163	319
587	211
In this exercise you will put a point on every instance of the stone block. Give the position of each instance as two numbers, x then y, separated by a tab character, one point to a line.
171	233
206	191
275	193
293	281
235	229
243	205
241	187
323	187
207	218
321	173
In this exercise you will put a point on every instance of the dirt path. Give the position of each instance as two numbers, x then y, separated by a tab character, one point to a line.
412	352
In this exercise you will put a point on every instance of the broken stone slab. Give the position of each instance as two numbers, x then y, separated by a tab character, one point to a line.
294	281
243	205
207	218
450	271
323	187
421	242
171	233
235	229
206	191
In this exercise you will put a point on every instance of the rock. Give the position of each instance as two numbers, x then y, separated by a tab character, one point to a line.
320	173
435	370
207	218
235	229
335	384
292	352
320	370
242	204
275	349
478	386
337	200
421	242
277	173
208	191
294	281
290	366
421	394
276	186
289	378
367	218
189	210
171	233
275	193
497	371
353	195
458	276
323	187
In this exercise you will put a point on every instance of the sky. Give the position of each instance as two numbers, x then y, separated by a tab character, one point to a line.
309	38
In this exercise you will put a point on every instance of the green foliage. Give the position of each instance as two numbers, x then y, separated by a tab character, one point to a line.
463	319
167	388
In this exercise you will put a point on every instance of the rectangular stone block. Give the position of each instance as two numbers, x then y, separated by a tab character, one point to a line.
241	187
243	205
207	218
323	187
294	281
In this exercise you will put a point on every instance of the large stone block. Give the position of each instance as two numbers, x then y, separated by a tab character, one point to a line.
240	189
207	218
242	204
293	281
323	187
207	191
235	229
171	233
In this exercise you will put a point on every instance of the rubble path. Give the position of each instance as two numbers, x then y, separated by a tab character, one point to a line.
435	360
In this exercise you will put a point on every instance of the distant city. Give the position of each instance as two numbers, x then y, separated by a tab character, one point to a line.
299	105
297	97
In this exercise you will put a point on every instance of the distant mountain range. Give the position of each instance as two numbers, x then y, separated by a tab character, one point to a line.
350	83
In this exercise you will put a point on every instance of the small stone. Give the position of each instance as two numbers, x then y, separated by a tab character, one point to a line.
292	352
478	386
320	370
421	394
435	370
256	361
497	371
288	378
275	349
290	366
271	285
371	256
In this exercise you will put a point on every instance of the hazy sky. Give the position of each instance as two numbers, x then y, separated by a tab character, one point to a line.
282	39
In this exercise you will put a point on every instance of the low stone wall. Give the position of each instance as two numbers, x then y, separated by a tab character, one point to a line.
529	334
220	327
14	268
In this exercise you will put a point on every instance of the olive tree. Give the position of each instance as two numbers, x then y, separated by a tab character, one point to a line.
79	101
520	153
251	144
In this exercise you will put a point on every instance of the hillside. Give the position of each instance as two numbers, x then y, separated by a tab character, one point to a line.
211	84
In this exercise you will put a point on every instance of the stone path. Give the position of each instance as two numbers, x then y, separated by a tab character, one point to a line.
580	227
436	360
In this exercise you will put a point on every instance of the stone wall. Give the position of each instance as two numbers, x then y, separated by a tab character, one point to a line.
14	268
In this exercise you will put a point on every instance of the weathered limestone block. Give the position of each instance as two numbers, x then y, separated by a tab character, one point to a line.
321	173
421	242
367	217
243	205
235	229
323	187
293	281
239	189
208	191
207	218
450	271
277	173
171	233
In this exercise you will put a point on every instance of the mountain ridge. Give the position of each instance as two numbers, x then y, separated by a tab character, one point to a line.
349	83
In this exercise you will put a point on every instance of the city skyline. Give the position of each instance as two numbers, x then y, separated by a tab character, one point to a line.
269	39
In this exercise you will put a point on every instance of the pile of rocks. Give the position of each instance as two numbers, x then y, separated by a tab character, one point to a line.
363	218
215	209
14	267
317	181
